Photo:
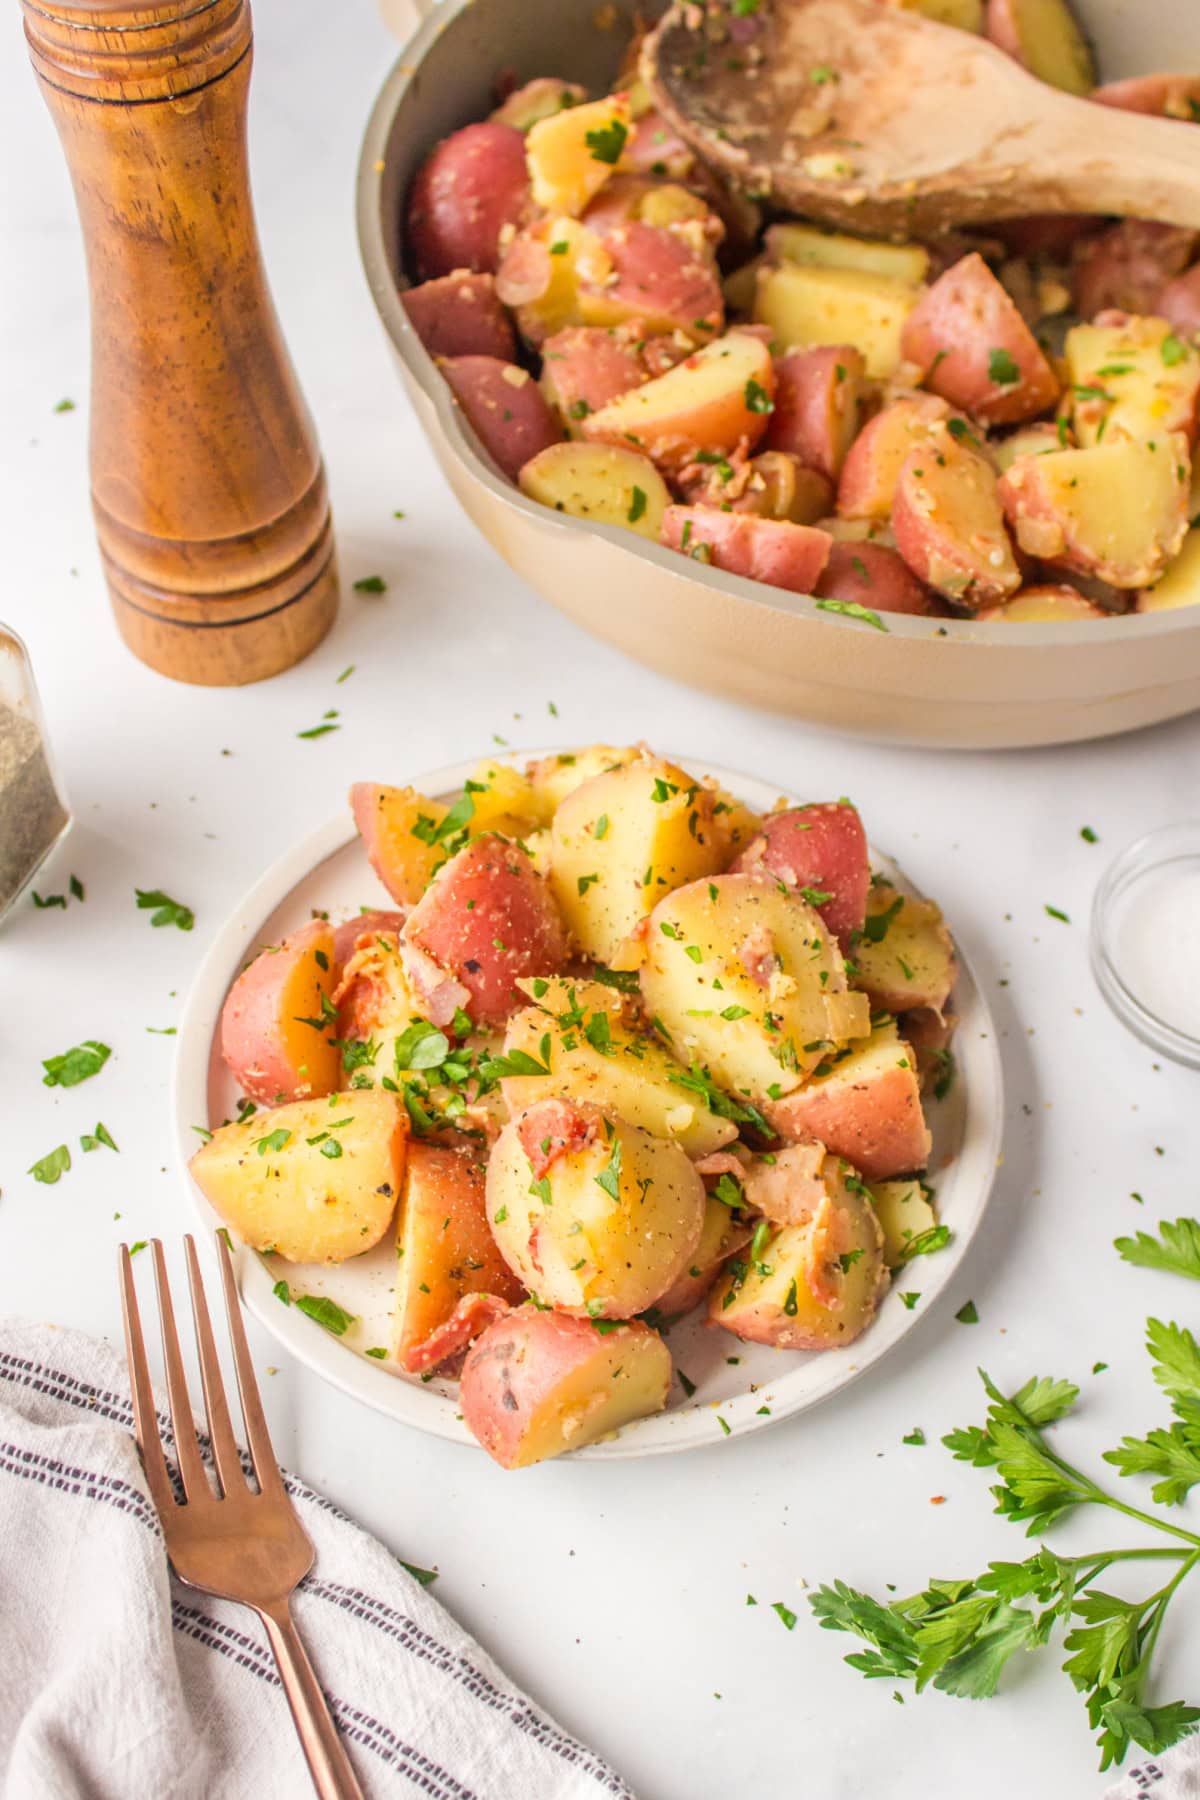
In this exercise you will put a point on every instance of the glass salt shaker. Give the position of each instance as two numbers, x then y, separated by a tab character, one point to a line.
33	808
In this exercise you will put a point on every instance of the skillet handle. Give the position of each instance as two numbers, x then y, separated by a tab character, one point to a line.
403	16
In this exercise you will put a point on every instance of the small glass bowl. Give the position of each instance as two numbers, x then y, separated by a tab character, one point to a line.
1145	914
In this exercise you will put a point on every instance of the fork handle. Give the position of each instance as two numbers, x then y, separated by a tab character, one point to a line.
328	1764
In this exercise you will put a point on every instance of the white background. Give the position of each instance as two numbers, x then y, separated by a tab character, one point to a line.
615	1593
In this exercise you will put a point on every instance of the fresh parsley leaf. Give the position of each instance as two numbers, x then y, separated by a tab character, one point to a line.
968	1313
93	1140
606	142
48	1168
78	1064
1175	1249
1002	370
326	1312
425	1576
372	584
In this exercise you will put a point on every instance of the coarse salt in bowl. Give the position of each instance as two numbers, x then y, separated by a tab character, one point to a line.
1145	940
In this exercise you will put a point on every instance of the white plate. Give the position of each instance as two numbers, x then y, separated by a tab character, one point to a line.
329	871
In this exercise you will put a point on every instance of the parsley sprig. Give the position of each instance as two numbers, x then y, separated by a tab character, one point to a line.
959	1635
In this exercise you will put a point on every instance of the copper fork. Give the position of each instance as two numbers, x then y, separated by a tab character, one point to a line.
242	1543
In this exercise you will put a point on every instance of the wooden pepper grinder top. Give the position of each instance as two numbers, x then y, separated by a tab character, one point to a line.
207	483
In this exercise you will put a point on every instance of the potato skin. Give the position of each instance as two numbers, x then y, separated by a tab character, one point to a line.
487	919
866	1109
586	366
460	315
265	1040
823	848
949	526
505	408
773	551
296	1199
874	460
567	1237
954	332
819	397
538	1384
1127	266
444	1245
810	1299
347	935
470	186
876	576
660	277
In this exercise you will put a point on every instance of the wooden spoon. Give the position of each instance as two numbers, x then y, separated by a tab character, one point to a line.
880	120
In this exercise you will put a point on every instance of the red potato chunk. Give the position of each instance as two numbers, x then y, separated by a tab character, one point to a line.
868	479
949	526
389	820
875	576
817	1283
772	551
867	1108
820	852
537	1384
788	1186
1126	267
445	1252
977	351
487	920
505	407
370	924
538	99
472	185
1179	302
278	1021
1044	604
655	149
722	1235
1118	510
819	398
1171	95
716	401
773	485
460	315
664	277
586	366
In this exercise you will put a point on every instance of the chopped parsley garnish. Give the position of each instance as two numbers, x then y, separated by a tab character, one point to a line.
784	1613
910	1299
757	398
1172	350
1054	913
372	584
637	505
92	1140
610	1177
850	609
607	141
1002	370
915	1436
1176	1249
926	1243
1088	835
165	910
968	1314
274	1140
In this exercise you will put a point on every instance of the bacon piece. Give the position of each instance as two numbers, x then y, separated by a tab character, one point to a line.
469	1320
788	1191
721	1162
551	1129
348	936
759	957
436	991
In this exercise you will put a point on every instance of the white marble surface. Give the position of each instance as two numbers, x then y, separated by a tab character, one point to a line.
616	1593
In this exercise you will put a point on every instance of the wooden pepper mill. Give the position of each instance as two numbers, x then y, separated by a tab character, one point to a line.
207	483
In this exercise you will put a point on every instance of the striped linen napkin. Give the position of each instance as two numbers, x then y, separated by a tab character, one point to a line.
118	1681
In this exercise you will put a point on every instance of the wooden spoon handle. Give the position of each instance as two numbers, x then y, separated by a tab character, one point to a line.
207	484
1088	158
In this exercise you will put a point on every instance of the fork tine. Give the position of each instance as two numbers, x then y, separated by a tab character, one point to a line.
145	1419
216	1407
266	1469
187	1451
